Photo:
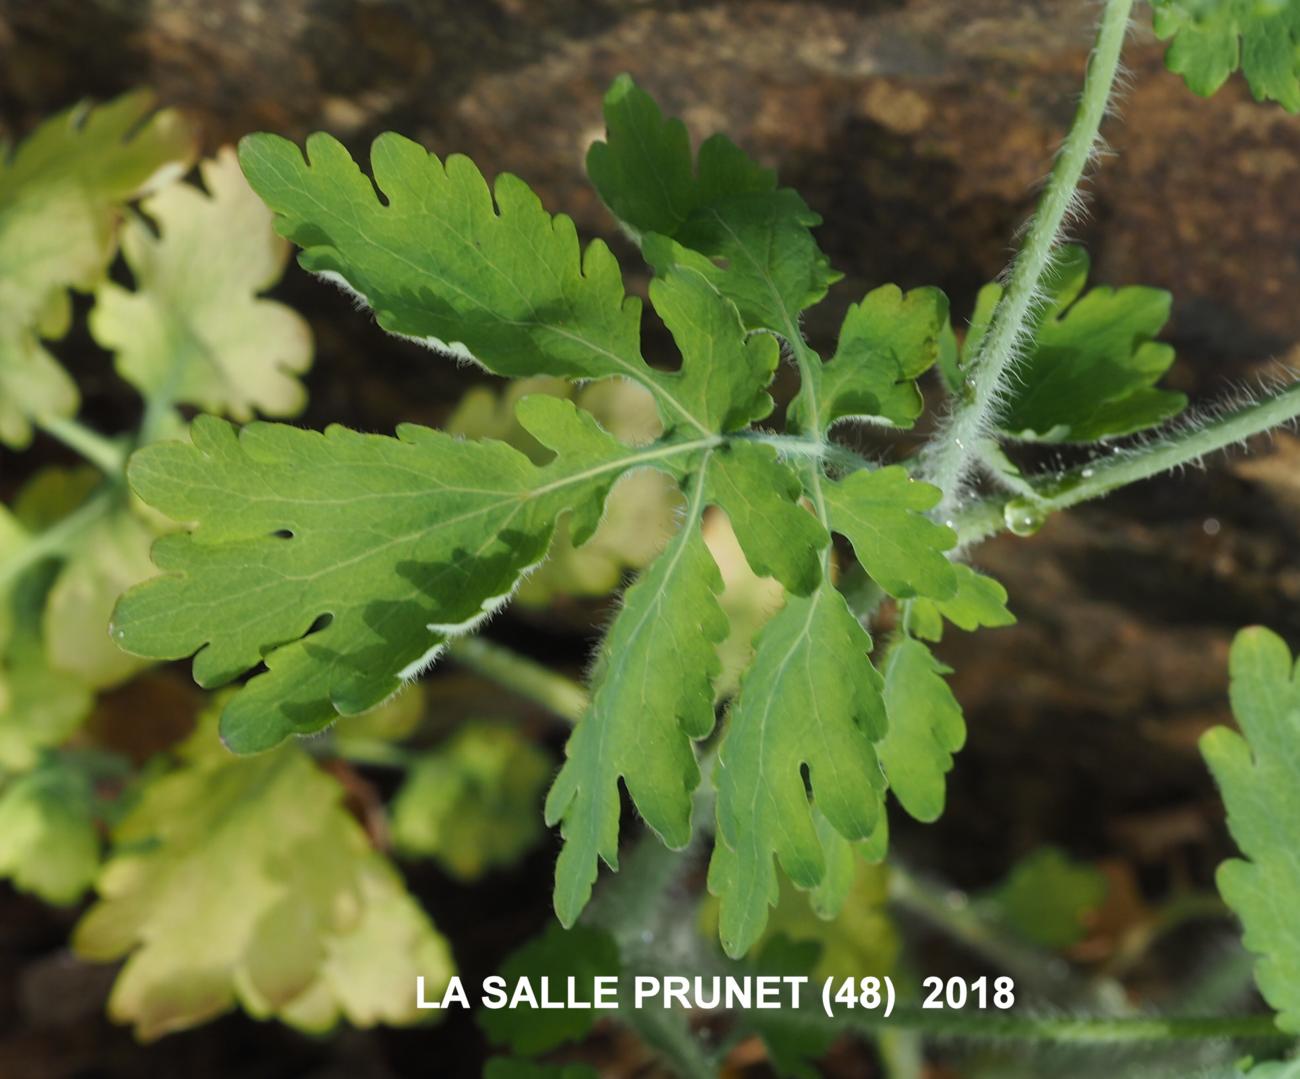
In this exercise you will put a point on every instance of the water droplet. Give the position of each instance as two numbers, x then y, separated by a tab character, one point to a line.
1088	473
647	937
1023	517
1211	526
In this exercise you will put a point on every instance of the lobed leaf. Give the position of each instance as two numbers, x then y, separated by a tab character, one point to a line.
979	602
1258	772
193	331
1092	369
489	275
756	239
344	562
211	908
811	699
925	729
886	342
1210	39
652	695
881	513
60	196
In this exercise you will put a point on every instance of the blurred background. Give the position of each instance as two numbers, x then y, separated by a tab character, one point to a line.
918	129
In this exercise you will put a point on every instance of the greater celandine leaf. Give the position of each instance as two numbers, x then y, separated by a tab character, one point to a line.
211	906
810	699
1210	39
1258	772
489	275
193	330
343	561
61	193
1092	367
756	238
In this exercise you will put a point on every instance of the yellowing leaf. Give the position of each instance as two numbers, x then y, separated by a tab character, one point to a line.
60	196
244	881
48	841
194	330
473	804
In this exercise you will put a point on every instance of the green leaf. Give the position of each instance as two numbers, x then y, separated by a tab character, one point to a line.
755	238
1092	369
582	954
1210	39
194	331
473	803
811	699
652	695
395	544
925	729
212	907
39	706
760	497
1046	897
1258	772
60	196
48	841
979	602
641	511
490	275
886	342
881	513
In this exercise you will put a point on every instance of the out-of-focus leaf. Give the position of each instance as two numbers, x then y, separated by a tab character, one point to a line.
48	841
514	1068
194	330
60	196
558	954
475	802
244	881
1046	898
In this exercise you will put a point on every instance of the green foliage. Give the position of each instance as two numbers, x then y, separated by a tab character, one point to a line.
1210	39
979	602
513	1068
810	699
472	804
1258	772
925	729
1046	897
755	237
60	199
211	908
1093	365
558	954
49	844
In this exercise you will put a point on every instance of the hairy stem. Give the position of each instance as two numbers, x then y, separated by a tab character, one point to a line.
954	451
103	453
1181	447
993	1026
559	695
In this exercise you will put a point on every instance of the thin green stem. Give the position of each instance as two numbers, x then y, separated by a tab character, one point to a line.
104	453
833	454
954	451
56	539
559	695
1178	449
